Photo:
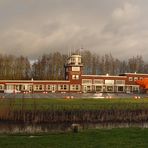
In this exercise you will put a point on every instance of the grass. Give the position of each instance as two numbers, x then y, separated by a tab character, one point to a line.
75	104
103	138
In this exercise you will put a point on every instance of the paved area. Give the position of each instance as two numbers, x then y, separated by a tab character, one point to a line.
73	95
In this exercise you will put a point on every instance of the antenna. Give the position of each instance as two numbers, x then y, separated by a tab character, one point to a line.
81	50
70	52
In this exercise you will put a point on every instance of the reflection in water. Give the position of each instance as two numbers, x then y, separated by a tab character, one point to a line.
6	127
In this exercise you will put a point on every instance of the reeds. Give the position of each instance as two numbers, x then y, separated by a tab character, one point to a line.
76	116
23	112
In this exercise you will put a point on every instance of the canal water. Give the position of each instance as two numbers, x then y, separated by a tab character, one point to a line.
13	128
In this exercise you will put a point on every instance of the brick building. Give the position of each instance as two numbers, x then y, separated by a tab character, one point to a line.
76	81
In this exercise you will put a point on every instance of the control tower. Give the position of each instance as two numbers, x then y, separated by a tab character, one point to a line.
74	68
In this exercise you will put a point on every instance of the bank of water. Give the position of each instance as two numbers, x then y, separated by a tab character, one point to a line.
71	120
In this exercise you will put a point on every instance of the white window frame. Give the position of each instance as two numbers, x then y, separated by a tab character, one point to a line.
130	79
135	78
98	81
75	77
87	81
75	87
1	87
63	87
118	82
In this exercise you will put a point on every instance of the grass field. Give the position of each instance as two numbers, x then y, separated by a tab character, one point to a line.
104	138
75	104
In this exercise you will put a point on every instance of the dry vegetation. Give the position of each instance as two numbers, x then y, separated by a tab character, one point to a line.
74	111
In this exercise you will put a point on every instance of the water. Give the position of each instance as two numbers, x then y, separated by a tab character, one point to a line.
13	128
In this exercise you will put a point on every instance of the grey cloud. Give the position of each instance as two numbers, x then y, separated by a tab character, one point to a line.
35	27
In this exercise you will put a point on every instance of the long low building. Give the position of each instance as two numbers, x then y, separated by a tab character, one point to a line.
76	81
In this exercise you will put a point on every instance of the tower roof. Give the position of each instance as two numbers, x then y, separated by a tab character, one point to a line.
74	60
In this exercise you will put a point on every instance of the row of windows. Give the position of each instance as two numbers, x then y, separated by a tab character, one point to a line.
63	87
75	77
75	60
40	87
101	81
135	78
109	88
89	88
66	87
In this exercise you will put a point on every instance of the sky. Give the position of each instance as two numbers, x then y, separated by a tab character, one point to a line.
35	27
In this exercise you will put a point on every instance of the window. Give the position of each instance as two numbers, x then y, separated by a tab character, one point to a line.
135	78
51	87
36	87
130	78
110	88
39	87
1	87
98	88
77	87
110	82
135	88
74	87
75	68
30	88
48	87
88	88
75	77
9	87
63	87
120	82
98	81
17	87
24	87
120	89
79	60
86	81
72	60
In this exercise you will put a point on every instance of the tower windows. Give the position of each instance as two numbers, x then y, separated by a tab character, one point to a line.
75	77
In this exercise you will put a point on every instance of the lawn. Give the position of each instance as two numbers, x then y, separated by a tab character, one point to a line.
102	138
75	104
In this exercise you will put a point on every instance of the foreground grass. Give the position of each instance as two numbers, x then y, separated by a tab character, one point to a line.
104	138
74	104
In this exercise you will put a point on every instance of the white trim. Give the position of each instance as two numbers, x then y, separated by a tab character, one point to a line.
104	76
134	74
29	81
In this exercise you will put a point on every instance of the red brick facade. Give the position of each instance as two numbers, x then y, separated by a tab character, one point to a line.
75	81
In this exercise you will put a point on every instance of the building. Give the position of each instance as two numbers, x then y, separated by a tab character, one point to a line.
76	81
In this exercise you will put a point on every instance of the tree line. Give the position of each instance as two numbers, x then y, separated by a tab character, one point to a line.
51	66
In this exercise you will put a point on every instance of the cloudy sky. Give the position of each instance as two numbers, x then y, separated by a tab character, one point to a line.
34	27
